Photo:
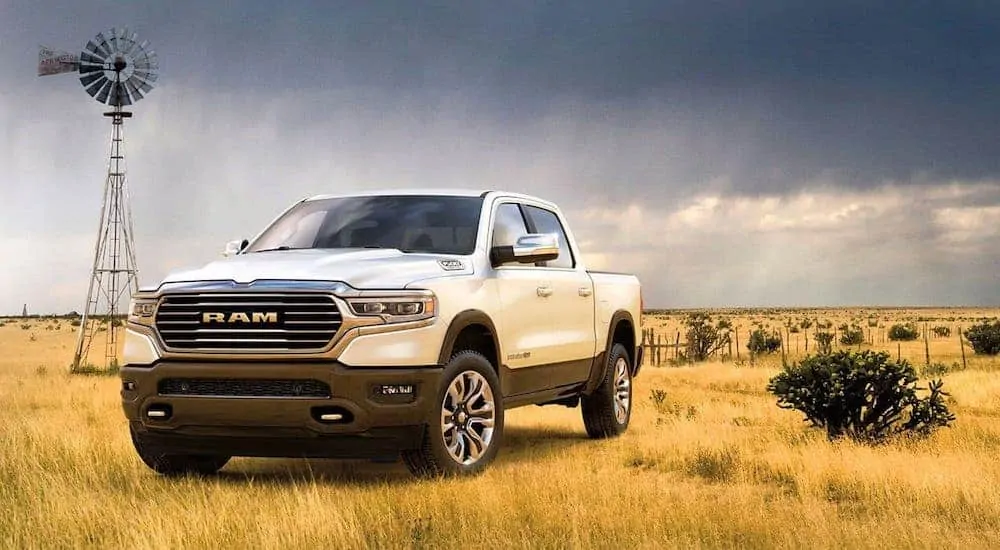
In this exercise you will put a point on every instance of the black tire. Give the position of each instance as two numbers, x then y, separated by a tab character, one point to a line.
169	464
433	458
600	411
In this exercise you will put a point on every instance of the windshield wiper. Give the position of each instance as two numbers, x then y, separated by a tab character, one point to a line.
277	248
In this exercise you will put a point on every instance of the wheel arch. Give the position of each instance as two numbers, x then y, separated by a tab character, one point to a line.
621	330
471	323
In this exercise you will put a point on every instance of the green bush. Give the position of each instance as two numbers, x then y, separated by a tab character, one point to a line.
865	396
703	338
763	342
824	342
852	335
985	337
903	332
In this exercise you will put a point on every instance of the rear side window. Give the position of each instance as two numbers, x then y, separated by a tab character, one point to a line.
545	221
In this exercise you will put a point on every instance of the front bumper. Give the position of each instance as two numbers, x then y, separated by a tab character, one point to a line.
371	422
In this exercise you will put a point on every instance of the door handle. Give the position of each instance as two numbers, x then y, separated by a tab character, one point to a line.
585	291
544	291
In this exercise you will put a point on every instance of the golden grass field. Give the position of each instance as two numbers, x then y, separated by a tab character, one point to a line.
718	465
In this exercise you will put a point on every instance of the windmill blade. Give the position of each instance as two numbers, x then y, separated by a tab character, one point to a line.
90	78
132	89
96	86
95	49
102	95
55	62
87	57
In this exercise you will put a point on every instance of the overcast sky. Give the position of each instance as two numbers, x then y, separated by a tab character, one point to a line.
788	153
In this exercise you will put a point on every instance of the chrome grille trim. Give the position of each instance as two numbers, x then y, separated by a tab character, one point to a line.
307	322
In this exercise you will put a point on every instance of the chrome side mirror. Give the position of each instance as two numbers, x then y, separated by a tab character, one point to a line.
529	249
235	247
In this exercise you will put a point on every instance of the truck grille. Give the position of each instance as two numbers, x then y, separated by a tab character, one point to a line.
243	387
247	322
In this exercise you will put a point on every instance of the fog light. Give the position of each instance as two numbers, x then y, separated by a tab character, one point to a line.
128	385
159	412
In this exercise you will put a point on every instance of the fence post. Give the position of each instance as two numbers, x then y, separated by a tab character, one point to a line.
961	342
927	348
677	345
659	348
736	331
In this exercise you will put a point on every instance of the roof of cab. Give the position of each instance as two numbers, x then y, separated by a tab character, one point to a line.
445	192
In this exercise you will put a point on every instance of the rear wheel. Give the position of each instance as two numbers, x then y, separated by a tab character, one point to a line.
170	464
464	432
606	411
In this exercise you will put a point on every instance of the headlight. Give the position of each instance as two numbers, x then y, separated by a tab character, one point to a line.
140	310
397	309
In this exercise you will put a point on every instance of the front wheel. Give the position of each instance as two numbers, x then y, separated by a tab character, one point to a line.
466	425
606	411
170	464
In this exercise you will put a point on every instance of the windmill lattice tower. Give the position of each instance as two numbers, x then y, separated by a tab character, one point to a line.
116	70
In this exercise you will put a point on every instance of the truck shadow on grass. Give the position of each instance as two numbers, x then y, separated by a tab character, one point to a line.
520	445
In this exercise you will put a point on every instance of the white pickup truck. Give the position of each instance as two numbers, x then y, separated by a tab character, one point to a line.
376	324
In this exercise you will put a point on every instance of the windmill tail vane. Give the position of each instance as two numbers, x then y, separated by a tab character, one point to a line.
56	62
117	70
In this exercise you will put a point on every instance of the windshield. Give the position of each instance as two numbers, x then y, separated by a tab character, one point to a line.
433	224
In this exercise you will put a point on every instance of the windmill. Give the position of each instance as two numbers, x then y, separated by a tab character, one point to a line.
116	70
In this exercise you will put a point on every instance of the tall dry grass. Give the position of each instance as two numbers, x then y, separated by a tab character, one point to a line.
715	464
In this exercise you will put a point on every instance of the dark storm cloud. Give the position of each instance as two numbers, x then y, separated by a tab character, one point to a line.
779	91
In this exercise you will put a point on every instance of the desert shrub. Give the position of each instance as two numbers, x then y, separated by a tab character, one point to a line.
865	396
762	341
903	332
74	323
942	331
985	337
852	335
794	329
873	321
25	326
824	324
703	338
824	342
806	323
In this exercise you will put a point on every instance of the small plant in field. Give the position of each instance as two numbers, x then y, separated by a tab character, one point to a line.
794	329
865	396
74	323
852	335
32	337
984	337
937	369
40	370
903	332
705	338
26	326
762	341
805	323
658	397
824	324
824	342
942	331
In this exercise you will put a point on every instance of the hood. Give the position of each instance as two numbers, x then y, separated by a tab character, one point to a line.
360	268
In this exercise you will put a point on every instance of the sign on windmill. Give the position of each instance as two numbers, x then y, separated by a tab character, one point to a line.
117	70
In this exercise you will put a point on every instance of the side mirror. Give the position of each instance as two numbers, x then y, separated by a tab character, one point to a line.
529	249
235	247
